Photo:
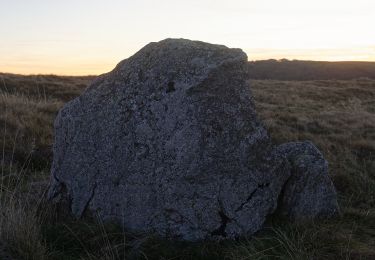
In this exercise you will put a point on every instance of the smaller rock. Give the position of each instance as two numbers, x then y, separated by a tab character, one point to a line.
309	193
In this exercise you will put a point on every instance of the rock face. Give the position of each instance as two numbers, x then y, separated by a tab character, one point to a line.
169	142
309	192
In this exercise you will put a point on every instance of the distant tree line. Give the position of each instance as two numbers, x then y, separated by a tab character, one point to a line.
310	70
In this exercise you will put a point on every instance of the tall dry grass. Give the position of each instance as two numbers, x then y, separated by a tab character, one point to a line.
20	221
336	115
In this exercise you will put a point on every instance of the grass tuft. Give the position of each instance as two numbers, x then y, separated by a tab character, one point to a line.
337	115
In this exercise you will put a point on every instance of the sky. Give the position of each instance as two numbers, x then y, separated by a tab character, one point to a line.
80	37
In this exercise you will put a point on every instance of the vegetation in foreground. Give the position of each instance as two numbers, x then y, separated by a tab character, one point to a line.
338	116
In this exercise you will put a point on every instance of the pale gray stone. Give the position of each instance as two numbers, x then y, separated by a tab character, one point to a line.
169	142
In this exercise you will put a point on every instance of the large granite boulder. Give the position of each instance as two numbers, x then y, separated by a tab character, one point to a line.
169	142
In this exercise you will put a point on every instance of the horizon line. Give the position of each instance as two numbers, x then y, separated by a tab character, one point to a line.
250	61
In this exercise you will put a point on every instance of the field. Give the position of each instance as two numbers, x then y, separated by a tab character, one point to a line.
337	115
310	70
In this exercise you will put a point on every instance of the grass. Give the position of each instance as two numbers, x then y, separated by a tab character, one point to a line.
20	228
338	116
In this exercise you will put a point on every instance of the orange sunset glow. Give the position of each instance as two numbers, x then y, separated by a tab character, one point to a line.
91	37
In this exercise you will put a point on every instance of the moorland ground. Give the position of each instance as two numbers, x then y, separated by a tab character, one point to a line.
337	115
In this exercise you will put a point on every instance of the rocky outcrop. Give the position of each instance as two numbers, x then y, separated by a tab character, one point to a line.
169	142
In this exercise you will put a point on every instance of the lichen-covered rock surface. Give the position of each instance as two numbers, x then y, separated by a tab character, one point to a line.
169	142
309	192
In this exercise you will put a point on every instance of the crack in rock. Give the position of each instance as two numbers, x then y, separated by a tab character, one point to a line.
89	200
260	186
220	231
